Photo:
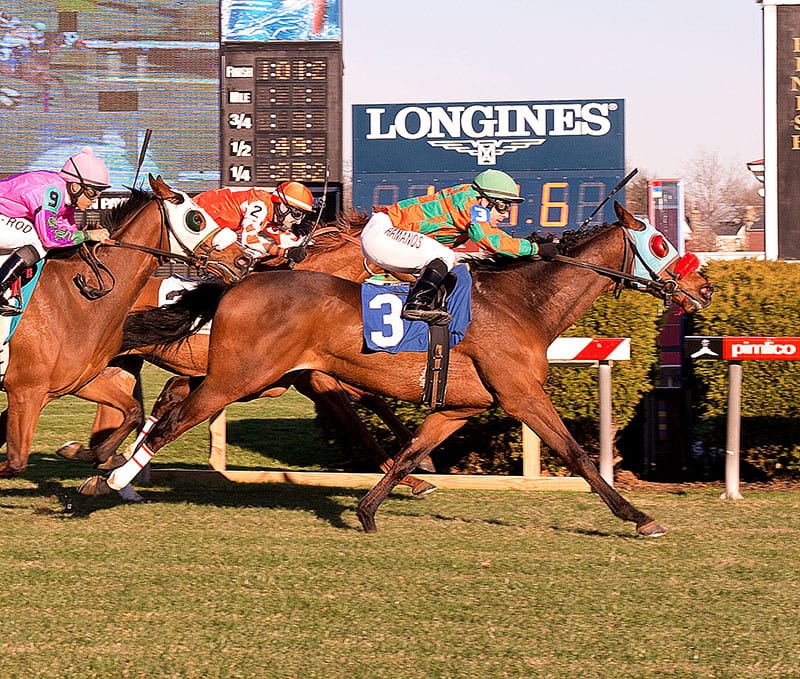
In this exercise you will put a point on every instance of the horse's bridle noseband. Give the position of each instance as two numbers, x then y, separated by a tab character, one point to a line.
198	258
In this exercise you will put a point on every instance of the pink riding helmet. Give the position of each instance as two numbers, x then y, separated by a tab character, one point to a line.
87	169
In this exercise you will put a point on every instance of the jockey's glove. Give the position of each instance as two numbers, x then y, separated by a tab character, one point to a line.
296	255
547	251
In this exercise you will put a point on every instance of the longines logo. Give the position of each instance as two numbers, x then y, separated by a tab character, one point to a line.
489	131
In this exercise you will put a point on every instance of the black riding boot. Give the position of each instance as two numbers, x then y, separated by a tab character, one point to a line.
421	302
10	270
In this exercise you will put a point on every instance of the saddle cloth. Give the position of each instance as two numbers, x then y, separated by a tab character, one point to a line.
22	291
385	330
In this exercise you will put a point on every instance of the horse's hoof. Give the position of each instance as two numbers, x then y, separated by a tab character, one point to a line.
74	450
94	486
422	488
652	529
111	462
427	465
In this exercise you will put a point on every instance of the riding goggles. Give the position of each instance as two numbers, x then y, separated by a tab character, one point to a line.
501	206
284	208
90	191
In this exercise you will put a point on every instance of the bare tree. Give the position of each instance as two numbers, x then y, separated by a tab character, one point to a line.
717	193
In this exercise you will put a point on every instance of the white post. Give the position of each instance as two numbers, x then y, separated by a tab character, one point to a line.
732	443
531	453
606	442
217	451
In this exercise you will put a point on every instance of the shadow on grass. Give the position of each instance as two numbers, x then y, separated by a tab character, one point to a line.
49	478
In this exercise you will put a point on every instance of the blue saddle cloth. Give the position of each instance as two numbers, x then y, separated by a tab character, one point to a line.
385	330
27	290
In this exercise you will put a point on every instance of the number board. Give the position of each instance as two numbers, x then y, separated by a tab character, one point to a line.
566	156
281	114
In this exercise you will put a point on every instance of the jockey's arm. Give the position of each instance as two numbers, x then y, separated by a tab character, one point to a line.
496	240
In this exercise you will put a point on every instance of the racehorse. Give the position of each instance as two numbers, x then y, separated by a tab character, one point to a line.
518	309
334	249
72	329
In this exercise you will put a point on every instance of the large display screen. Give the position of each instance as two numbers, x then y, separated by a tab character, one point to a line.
280	20
102	72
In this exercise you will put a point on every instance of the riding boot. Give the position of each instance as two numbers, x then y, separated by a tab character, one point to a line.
10	270
421	302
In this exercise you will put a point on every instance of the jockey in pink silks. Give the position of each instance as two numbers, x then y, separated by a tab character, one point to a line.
37	213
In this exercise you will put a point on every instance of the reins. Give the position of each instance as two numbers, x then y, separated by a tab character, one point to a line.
99	269
663	288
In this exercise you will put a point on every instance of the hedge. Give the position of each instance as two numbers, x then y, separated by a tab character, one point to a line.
751	299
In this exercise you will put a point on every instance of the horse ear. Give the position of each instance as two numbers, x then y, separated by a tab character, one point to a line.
160	187
627	219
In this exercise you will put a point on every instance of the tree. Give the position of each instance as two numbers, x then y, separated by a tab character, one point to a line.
717	193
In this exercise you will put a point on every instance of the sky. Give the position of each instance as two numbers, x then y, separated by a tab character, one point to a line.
690	71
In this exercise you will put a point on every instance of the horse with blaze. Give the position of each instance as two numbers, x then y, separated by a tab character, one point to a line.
518	309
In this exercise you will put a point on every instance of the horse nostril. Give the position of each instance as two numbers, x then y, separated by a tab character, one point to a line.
706	291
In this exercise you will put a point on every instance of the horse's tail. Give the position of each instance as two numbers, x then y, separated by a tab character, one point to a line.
190	311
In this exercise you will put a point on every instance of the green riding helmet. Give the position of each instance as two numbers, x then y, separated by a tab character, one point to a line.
497	185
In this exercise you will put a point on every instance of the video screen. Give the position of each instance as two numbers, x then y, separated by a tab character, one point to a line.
280	20
100	73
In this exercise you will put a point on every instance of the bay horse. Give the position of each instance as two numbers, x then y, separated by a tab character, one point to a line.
334	249
71	329
518	309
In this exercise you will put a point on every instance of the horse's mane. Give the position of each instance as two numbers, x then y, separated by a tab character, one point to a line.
116	217
346	228
570	239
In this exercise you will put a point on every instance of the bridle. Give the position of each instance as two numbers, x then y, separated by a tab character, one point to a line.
197	258
664	284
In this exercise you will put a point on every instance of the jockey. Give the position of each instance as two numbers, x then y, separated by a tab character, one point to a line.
418	234
37	213
268	224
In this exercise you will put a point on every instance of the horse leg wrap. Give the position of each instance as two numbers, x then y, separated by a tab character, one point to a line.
148	425
123	475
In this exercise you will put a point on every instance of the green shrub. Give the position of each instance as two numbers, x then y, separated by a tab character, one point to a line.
751	299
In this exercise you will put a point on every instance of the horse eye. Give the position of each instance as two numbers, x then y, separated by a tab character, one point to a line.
658	246
194	221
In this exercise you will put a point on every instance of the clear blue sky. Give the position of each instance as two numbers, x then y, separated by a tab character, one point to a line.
690	71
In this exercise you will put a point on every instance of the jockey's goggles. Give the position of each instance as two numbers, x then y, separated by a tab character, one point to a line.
90	192
501	206
295	212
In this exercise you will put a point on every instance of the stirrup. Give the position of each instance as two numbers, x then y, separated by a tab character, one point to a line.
429	316
7	309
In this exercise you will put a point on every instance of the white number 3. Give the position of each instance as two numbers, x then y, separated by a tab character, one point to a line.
391	320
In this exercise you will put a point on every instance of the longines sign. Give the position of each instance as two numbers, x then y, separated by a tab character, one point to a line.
541	135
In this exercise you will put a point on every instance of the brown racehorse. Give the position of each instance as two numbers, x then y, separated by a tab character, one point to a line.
517	310
336	250
65	340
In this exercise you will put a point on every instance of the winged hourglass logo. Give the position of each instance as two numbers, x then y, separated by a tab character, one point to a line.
486	150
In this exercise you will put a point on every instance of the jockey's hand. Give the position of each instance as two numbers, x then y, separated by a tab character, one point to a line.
547	251
296	255
98	235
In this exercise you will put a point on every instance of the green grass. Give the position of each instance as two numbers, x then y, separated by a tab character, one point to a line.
225	580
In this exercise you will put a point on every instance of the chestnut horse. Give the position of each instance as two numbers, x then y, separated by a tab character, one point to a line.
518	309
71	330
335	249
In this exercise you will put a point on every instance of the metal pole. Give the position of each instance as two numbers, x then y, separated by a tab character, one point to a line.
606	443
732	444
